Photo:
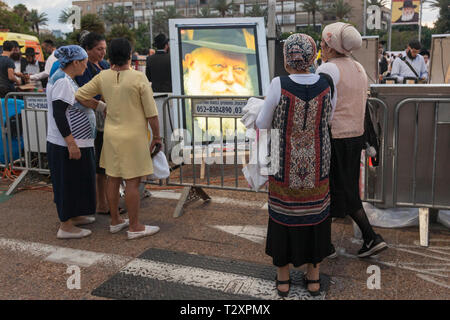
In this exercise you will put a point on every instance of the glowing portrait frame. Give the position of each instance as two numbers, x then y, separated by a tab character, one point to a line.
258	71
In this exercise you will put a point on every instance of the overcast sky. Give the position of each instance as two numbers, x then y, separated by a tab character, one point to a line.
53	9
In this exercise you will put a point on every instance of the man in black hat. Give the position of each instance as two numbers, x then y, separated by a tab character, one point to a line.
32	66
408	13
158	66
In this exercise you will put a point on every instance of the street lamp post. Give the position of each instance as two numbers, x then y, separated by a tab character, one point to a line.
271	32
365	17
420	21
150	22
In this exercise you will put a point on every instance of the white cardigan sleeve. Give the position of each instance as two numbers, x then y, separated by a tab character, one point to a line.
265	116
332	70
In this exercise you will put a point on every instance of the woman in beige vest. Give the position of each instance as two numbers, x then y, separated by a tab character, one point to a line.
347	129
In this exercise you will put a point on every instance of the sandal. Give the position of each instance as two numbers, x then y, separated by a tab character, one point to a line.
282	293
307	282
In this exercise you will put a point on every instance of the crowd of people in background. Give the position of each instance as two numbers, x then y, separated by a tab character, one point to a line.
413	63
16	70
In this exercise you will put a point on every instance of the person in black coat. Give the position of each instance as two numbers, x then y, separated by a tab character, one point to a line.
158	66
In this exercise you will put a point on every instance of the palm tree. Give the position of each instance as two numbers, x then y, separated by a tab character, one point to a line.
256	11
65	15
161	19
442	25
121	31
312	7
340	9
38	19
22	11
170	12
118	15
93	23
379	3
223	7
205	12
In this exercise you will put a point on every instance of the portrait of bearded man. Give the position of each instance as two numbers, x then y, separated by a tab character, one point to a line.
219	62
216	62
408	13
213	72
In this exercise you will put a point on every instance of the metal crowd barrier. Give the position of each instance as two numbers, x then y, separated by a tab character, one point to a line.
30	135
421	181
197	174
194	184
374	176
438	103
181	112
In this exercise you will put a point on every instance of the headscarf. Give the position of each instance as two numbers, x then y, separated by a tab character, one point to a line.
67	54
299	51
342	37
83	35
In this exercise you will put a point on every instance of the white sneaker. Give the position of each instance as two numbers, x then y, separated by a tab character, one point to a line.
149	230
70	235
86	220
119	227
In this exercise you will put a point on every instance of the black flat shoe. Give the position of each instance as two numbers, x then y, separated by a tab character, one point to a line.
283	294
307	281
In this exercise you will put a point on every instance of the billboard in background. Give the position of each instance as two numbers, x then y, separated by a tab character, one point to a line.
405	12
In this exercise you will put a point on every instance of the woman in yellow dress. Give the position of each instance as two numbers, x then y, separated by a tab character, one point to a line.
126	153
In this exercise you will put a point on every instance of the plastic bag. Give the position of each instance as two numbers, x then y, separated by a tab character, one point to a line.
444	218
160	167
256	170
391	217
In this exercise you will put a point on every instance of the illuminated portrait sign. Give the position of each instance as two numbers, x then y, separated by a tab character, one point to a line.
219	61
405	11
218	57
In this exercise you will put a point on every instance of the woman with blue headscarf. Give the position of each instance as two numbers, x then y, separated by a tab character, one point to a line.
70	145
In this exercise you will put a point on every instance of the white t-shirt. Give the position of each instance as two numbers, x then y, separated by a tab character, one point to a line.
265	117
81	119
48	67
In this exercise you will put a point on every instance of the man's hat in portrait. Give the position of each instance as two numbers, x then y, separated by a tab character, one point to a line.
408	4
232	40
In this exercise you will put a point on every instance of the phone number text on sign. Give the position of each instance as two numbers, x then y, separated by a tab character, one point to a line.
219	108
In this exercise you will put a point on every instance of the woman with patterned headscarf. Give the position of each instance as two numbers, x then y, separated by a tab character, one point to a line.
299	106
70	145
347	129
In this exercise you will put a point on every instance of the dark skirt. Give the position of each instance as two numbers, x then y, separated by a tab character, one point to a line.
73	181
98	151
298	245
344	176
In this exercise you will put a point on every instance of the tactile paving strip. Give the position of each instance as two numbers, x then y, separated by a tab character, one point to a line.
134	282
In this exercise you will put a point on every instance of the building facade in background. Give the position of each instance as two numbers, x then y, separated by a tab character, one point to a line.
291	16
